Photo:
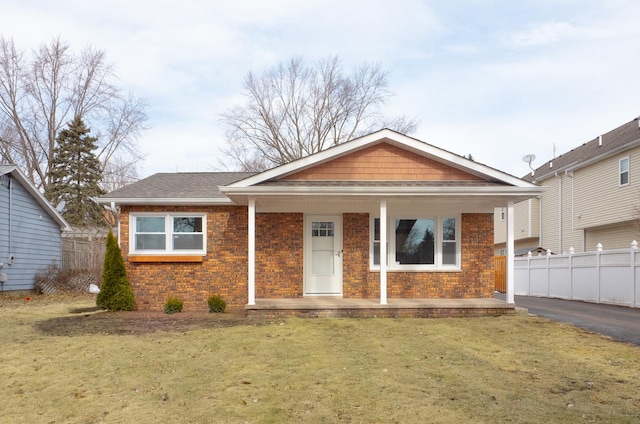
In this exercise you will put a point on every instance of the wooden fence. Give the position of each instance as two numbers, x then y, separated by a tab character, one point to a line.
83	254
500	273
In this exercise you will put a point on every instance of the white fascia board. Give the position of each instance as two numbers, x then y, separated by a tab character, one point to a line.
166	201
385	191
391	137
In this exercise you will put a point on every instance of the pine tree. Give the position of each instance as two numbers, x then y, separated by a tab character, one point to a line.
75	173
115	290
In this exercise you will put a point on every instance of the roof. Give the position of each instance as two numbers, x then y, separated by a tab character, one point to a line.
491	182
383	136
620	139
176	188
14	172
210	188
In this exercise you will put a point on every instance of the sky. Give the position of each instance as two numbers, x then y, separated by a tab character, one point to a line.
495	79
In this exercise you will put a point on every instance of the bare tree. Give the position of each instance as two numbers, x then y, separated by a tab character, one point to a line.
41	93
294	110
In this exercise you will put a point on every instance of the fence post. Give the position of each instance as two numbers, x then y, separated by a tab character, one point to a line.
571	252
529	273
634	247
598	259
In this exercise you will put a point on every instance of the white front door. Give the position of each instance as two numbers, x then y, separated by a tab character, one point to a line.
323	255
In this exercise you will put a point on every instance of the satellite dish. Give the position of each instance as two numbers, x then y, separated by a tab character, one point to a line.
529	158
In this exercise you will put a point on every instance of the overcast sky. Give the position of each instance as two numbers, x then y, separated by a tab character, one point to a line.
494	79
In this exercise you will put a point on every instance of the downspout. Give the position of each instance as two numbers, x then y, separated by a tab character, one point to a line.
10	258
540	240
529	217
559	213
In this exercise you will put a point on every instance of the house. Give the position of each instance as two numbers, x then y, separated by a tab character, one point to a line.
382	218
592	197
30	231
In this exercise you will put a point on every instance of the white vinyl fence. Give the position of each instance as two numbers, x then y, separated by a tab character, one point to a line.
611	276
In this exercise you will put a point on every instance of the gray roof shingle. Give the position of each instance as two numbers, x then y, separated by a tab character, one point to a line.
181	185
621	138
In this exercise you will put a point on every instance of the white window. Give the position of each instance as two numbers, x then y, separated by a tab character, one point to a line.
503	214
624	171
168	233
418	243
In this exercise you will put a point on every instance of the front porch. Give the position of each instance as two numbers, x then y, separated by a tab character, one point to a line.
371	308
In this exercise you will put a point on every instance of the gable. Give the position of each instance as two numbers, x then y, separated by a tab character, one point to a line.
10	175
382	162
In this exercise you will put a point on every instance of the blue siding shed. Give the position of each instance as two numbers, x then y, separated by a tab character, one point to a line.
30	231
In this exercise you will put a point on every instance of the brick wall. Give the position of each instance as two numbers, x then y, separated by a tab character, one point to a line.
475	280
223	270
279	262
279	255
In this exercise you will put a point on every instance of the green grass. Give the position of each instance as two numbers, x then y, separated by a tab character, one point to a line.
514	369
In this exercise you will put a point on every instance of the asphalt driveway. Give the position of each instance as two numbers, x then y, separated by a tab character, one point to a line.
618	322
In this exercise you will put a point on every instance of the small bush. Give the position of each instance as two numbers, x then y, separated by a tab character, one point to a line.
173	305
216	303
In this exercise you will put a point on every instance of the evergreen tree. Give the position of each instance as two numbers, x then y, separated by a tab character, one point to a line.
115	290
75	174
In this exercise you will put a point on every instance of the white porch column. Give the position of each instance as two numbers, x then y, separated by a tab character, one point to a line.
510	254
251	235
383	252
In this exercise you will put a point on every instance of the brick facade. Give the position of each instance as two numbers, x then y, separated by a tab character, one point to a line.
279	262
475	280
222	271
279	255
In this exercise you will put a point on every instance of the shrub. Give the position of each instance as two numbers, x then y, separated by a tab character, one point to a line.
173	305
216	303
115	291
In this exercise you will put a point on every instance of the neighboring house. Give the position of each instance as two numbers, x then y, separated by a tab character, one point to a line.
593	197
30	231
381	217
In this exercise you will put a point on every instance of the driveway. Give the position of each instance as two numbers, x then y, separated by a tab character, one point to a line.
618	322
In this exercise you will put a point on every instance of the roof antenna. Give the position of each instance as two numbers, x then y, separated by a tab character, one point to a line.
529	159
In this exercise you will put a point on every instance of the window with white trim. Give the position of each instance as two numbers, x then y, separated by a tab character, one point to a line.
154	233
418	243
503	214
624	171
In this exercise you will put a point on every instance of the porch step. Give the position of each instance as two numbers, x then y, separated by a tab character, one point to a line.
369	308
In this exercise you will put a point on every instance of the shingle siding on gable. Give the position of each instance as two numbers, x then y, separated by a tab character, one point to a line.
383	162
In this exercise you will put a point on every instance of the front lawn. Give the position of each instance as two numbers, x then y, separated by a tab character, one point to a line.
83	367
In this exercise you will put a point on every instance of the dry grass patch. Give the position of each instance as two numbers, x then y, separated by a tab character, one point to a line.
225	368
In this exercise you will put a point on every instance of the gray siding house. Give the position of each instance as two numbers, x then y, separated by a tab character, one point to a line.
593	198
30	231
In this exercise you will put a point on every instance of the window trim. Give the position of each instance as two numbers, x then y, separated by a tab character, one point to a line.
503	213
621	172
438	244
168	232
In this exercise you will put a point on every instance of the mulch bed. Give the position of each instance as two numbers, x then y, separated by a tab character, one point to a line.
121	323
92	320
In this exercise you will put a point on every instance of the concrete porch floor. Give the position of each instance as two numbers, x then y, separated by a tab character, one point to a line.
395	308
